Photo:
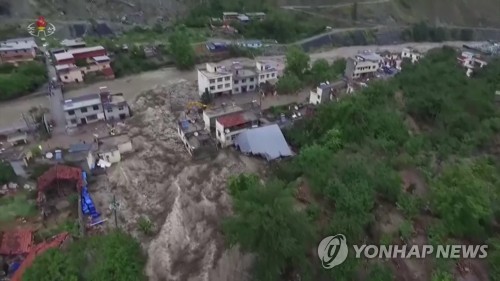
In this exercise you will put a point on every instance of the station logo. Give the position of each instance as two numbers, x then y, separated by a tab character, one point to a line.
41	28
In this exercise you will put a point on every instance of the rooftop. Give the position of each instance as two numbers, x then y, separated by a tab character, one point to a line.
367	55
18	242
65	66
243	17
114	140
81	101
101	58
17	45
223	110
230	13
190	125
267	141
255	14
63	56
86	50
72	42
237	119
334	85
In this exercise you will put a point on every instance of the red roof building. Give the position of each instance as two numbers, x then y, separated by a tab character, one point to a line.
232	120
17	242
229	126
59	172
39	249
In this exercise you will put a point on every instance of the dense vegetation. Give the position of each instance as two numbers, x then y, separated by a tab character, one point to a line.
431	119
111	257
279	25
300	73
21	80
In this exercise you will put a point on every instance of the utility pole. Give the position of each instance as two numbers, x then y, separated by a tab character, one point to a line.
114	207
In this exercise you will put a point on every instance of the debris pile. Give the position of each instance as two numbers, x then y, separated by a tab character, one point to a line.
185	200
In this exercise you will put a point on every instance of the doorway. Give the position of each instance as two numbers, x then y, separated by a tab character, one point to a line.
243	89
83	120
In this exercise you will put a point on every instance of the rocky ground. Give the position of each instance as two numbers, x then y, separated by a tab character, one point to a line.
185	200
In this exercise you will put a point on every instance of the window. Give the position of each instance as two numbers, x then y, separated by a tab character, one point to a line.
218	133
95	107
211	81
251	79
120	107
227	78
110	109
212	87
71	112
243	80
237	89
227	85
262	76
250	87
273	74
219	79
219	86
72	121
83	109
267	76
236	81
65	77
92	117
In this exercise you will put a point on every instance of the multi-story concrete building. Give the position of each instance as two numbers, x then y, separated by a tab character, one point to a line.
234	78
471	61
83	60
411	54
114	105
83	110
18	50
326	92
229	126
365	64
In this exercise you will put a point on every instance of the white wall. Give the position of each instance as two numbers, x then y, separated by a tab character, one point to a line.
315	96
111	156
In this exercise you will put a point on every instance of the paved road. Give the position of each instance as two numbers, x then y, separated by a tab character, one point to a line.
133	85
333	6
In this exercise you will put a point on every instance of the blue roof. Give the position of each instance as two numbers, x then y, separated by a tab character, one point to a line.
79	147
267	141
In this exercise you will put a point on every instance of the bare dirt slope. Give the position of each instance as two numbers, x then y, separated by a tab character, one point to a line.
185	200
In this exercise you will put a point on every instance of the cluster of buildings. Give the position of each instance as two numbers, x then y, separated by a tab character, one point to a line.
232	126
18	50
236	77
92	108
243	18
75	62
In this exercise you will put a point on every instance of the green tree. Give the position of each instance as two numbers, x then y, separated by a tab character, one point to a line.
6	173
206	97
181	50
53	265
463	197
494	259
288	84
112	257
380	272
266	223
297	61
321	71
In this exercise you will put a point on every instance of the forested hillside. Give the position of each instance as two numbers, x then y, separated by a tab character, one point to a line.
412	160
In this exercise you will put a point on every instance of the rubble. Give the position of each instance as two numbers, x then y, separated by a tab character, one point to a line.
186	200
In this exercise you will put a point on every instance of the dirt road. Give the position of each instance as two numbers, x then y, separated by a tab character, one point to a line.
131	86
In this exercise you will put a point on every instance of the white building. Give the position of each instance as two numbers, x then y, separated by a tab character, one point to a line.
83	110
411	54
229	126
326	92
364	64
235	77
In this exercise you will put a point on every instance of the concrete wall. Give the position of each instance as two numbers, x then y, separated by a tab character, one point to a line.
72	76
91	115
117	112
112	156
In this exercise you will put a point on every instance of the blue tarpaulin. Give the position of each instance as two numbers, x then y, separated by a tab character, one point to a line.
88	207
267	141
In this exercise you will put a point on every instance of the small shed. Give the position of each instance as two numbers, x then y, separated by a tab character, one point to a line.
267	141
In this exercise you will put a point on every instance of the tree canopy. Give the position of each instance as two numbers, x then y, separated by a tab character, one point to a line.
181	50
112	257
21	80
430	118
